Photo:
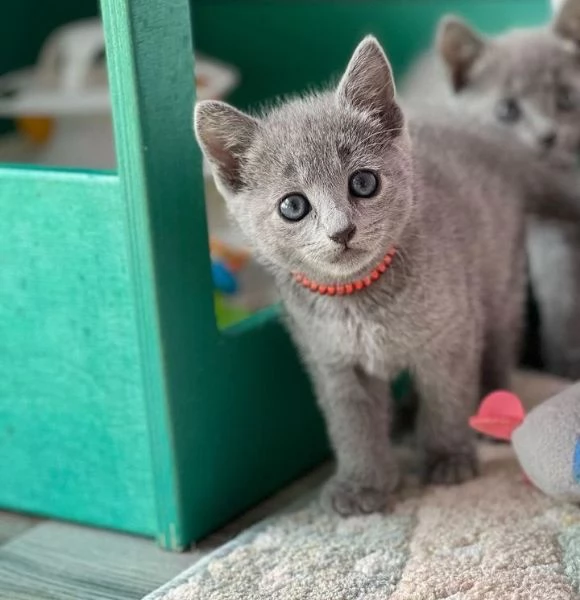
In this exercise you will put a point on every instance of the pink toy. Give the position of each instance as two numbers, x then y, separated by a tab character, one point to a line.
499	414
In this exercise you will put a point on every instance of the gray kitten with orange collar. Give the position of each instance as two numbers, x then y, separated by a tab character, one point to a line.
523	84
324	186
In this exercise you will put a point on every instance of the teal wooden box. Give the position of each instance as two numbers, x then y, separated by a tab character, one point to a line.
121	404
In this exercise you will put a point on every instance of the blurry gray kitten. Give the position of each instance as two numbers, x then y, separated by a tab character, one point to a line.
524	84
325	185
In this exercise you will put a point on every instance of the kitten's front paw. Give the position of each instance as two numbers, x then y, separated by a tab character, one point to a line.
451	468
348	498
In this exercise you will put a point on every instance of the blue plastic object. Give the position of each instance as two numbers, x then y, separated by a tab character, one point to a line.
577	460
223	280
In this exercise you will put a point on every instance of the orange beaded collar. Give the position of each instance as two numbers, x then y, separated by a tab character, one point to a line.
346	289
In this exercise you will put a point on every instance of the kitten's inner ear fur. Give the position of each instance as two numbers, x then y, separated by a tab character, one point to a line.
225	134
567	22
459	46
367	83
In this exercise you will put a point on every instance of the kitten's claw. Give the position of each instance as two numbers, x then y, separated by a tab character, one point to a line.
347	498
450	469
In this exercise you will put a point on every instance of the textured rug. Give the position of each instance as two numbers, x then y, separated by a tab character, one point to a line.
494	538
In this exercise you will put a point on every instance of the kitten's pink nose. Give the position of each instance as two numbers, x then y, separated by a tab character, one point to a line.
344	235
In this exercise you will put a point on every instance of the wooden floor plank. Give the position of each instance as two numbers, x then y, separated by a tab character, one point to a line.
58	561
14	524
46	560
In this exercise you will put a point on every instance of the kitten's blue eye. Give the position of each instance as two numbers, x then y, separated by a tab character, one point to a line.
363	184
294	207
565	100
508	110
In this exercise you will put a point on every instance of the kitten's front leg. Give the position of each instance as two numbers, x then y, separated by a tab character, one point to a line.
357	409
448	382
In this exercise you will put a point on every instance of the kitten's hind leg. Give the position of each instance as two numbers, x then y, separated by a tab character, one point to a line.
497	369
499	358
503	334
449	385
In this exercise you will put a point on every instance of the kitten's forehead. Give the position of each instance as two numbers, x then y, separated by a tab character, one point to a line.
313	138
527	61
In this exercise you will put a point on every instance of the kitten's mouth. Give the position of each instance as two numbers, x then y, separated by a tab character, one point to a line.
346	254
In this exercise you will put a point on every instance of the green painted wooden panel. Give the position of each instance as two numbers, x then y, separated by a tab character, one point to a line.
260	427
231	415
73	434
283	46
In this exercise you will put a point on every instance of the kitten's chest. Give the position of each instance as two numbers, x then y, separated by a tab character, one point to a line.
369	344
355	335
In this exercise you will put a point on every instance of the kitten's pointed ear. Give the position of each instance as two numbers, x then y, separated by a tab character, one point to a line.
459	46
224	134
567	22
367	83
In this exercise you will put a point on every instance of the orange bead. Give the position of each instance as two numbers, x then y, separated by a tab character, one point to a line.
340	290
382	267
298	277
313	286
331	290
375	275
235	264
367	281
322	289
348	288
359	285
305	282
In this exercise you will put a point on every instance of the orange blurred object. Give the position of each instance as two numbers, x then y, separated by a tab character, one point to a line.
36	129
234	259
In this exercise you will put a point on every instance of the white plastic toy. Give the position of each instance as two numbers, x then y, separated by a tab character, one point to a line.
63	100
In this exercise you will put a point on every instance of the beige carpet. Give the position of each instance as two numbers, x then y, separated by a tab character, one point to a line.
495	538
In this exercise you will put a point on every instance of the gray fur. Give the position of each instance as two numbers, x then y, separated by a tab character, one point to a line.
449	306
533	67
